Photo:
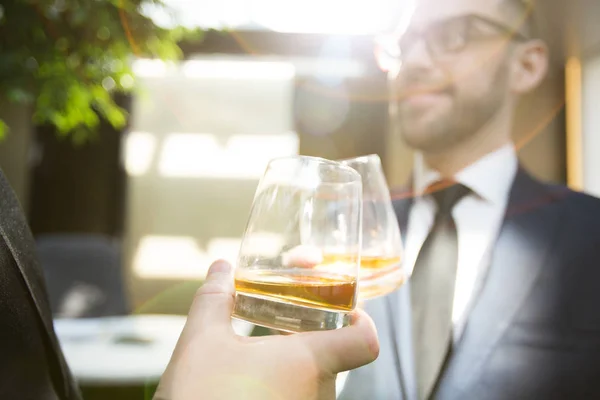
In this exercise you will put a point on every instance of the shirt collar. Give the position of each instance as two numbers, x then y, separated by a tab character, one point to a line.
490	177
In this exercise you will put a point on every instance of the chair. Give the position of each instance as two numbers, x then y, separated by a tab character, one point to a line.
83	275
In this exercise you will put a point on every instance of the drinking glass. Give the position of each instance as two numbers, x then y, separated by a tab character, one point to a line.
297	269
381	268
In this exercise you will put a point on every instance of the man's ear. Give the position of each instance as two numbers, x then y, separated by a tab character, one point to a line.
529	66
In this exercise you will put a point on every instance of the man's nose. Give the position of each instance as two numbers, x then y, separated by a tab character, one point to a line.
415	63
417	56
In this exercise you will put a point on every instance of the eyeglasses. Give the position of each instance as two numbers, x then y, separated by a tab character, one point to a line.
451	36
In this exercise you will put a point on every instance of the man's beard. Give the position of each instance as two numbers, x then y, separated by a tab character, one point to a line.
463	117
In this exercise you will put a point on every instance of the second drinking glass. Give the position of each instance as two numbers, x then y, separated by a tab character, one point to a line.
381	268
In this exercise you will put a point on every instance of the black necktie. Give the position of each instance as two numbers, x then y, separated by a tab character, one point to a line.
432	288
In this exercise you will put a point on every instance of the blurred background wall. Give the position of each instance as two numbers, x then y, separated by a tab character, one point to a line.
200	139
591	121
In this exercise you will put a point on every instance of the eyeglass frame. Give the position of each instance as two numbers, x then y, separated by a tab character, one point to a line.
468	37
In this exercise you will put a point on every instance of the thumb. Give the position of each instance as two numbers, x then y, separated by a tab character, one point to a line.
213	301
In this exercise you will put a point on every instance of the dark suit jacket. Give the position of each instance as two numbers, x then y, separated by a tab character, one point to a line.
32	365
534	331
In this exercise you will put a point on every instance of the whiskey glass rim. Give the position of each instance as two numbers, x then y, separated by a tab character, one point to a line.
352	176
365	159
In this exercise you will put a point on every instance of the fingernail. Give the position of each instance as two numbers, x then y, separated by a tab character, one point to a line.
220	266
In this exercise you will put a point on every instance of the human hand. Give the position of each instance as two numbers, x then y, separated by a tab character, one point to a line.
210	362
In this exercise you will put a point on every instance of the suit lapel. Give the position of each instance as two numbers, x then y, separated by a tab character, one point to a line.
402	201
15	232
528	233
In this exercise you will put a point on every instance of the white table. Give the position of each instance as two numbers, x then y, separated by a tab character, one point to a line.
122	350
130	350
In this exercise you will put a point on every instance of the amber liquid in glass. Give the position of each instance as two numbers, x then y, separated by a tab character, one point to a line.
302	287
302	296
379	275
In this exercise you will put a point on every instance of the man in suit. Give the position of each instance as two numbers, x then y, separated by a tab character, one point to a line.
503	297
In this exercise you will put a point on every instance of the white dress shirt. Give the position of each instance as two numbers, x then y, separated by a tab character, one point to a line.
478	217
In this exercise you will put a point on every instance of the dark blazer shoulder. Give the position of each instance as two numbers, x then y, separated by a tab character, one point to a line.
582	210
583	204
15	232
576	244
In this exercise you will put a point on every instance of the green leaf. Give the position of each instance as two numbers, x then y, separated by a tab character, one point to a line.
3	130
84	44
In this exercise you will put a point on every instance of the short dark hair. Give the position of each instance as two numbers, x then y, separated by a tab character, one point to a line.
523	11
